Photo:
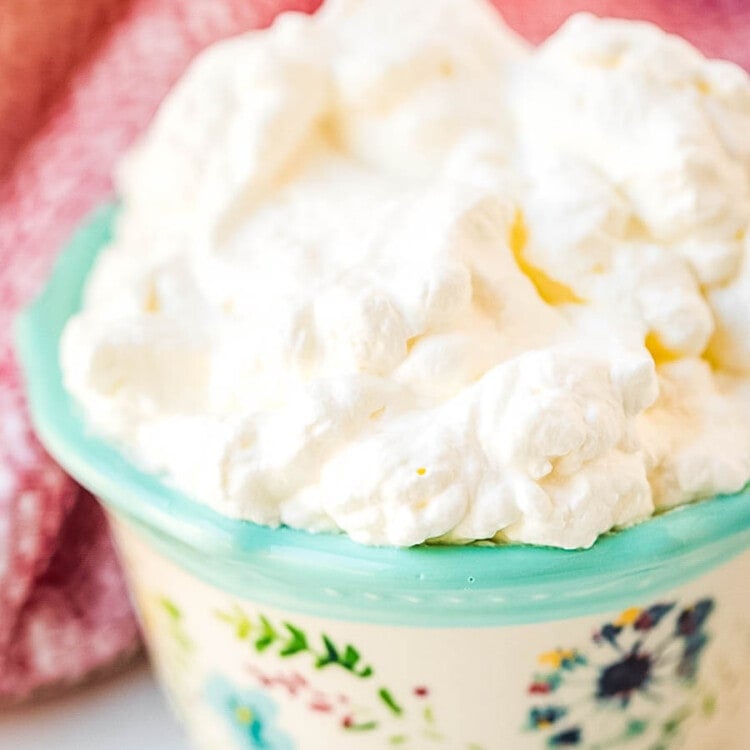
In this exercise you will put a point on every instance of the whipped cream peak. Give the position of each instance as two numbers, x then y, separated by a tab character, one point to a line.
398	274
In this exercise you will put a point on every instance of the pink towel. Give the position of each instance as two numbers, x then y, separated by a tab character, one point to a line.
719	28
62	605
40	42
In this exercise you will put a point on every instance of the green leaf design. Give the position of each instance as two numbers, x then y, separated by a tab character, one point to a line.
366	726
296	643
239	621
182	640
390	701
331	655
224	617
673	724
293	640
243	628
709	705
176	627
268	635
170	608
351	657
635	728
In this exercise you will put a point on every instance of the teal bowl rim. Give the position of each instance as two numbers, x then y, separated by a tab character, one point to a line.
470	585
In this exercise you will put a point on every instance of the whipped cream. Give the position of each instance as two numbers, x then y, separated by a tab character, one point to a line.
389	271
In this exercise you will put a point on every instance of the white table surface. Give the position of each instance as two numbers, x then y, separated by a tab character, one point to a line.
126	712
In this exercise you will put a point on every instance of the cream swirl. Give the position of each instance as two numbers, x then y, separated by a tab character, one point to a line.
399	275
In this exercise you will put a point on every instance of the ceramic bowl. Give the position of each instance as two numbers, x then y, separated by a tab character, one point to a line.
280	639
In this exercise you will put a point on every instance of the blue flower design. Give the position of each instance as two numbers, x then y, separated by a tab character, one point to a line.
251	715
638	676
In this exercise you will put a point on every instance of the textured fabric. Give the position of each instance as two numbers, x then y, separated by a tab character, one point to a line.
40	43
79	79
719	28
63	606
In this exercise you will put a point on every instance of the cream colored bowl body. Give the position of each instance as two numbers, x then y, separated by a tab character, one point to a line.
667	672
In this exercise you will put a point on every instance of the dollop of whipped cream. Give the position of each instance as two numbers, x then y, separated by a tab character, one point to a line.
390	271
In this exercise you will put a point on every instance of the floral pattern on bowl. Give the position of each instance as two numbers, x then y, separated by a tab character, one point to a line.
384	712
250	714
671	674
621	671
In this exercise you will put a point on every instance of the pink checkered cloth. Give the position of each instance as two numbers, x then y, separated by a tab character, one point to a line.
63	606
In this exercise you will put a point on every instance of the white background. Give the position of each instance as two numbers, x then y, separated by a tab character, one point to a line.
124	713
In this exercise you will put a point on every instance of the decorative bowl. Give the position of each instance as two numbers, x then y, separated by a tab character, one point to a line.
281	639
